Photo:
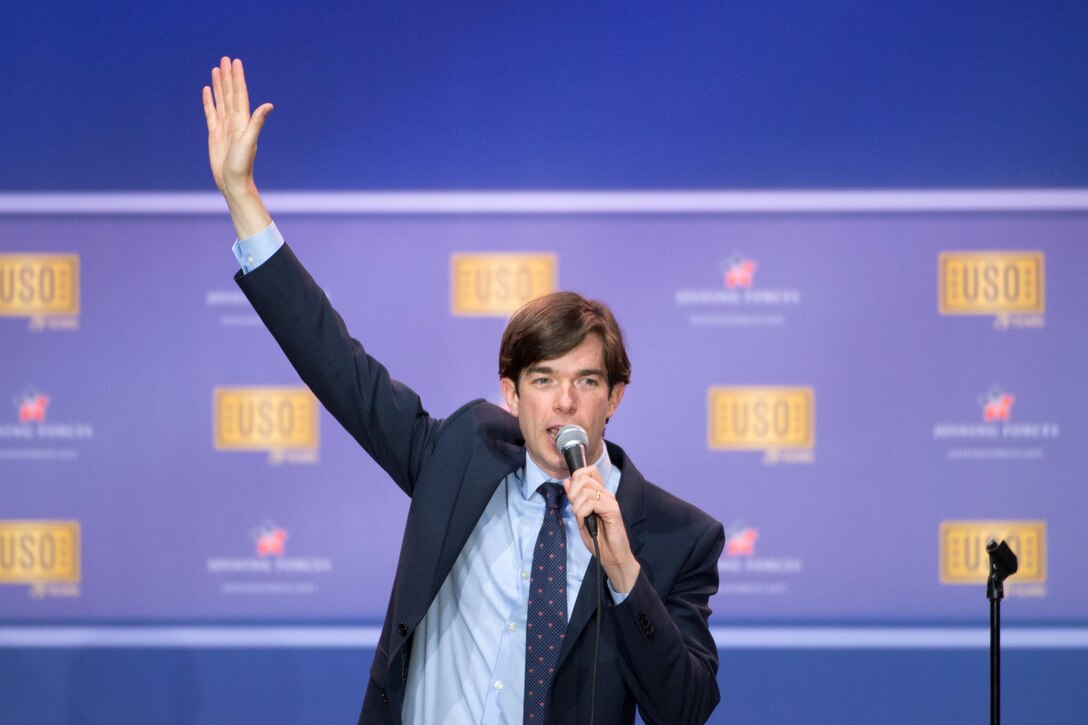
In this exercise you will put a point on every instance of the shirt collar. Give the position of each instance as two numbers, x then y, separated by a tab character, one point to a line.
534	475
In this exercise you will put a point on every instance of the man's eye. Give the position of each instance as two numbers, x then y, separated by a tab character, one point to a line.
590	382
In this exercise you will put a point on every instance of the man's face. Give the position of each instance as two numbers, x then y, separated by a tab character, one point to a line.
553	393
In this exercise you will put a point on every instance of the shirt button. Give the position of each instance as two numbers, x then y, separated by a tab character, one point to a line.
524	575
498	684
512	627
250	259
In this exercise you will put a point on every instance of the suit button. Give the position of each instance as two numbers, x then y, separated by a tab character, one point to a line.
647	625
384	698
403	629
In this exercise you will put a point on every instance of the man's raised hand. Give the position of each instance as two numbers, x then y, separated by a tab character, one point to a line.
232	145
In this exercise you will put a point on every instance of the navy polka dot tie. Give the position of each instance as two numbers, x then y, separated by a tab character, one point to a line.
546	625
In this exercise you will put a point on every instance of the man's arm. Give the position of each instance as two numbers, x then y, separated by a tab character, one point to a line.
385	417
666	649
232	145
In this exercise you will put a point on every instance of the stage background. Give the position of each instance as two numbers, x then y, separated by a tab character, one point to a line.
766	196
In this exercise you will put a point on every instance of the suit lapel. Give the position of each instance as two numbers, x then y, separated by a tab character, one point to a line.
439	547
486	470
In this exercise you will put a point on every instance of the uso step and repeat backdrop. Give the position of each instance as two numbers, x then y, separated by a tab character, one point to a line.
863	396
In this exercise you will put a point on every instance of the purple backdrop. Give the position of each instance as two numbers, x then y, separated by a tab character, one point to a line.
846	304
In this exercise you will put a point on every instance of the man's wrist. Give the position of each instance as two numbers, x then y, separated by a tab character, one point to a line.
624	578
247	211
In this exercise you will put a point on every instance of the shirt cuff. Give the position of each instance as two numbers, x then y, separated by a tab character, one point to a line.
254	251
616	596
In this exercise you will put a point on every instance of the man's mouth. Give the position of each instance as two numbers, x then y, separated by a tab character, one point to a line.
553	433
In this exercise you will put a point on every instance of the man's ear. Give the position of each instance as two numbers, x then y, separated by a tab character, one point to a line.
614	398
510	395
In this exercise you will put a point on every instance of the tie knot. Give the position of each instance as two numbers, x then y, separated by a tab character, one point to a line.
553	494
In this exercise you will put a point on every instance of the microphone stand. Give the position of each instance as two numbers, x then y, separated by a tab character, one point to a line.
1002	565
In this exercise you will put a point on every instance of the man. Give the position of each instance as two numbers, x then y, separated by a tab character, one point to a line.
489	619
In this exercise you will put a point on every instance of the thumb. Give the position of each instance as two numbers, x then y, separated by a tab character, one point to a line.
256	123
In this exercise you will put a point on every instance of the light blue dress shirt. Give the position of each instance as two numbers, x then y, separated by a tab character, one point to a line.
468	653
255	251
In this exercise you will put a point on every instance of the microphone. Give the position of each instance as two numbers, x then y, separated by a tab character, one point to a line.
572	441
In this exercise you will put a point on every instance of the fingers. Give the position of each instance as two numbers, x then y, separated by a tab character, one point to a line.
227	99
217	92
209	108
587	493
241	94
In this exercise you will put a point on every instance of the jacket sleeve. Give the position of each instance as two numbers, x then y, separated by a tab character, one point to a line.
386	417
669	658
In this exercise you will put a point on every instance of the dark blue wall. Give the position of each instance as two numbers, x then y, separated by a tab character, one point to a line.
543	95
324	686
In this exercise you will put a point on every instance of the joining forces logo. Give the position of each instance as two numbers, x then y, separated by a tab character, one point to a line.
738	301
37	438
268	571
997	436
743	573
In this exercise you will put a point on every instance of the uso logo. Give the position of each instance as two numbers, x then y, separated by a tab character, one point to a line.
265	419
39	284
35	552
963	550
498	284
991	283
760	418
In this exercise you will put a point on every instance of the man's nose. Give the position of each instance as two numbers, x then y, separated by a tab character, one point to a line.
564	398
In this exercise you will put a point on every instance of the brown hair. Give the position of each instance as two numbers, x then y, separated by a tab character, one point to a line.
553	325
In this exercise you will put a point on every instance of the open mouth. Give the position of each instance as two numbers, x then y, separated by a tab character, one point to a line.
553	433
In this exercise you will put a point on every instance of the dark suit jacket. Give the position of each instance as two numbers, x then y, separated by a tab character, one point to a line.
655	649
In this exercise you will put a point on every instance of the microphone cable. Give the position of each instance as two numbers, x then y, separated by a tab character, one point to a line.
597	636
